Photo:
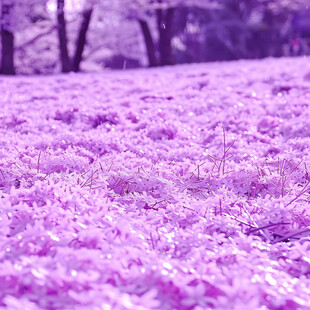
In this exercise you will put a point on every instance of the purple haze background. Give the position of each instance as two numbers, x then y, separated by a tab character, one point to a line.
50	36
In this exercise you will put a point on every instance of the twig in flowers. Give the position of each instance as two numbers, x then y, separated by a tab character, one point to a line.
296	233
307	174
185	188
295	168
255	209
98	186
254	223
221	212
38	163
101	168
204	215
214	161
89	179
142	168
269	193
17	150
301	218
164	200
274	184
156	161
281	172
299	195
19	167
238	220
203	196
210	189
224	158
267	226
173	159
111	166
230	157
224	149
47	175
258	172
118	182
261	172
158	234
198	170
267	165
189	208
82	175
283	184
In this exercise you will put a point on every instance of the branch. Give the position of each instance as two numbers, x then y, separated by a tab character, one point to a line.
40	35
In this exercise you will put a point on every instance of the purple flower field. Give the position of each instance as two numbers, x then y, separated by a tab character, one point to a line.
173	188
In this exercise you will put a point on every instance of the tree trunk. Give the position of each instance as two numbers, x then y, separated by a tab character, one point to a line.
62	37
160	25
7	40
164	24
81	41
7	57
149	43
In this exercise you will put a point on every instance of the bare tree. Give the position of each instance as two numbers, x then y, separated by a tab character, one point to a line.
62	37
164	26
15	15
67	63
160	52
7	39
81	40
149	43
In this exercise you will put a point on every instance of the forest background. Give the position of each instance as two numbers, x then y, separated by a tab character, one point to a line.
51	36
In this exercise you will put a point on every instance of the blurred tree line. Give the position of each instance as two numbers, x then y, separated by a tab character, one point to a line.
48	36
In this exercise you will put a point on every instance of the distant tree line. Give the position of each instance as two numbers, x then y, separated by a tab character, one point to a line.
173	31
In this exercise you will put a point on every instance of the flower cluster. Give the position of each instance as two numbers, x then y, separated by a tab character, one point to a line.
176	188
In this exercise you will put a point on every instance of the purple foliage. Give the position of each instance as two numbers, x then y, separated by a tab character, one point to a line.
180	190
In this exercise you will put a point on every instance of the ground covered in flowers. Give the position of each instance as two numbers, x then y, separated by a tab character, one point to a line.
176	188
